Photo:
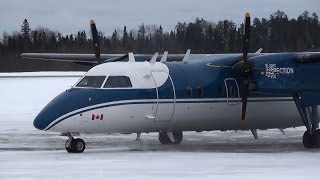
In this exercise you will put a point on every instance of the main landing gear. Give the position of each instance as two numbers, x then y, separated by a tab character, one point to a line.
75	145
310	116
311	140
170	137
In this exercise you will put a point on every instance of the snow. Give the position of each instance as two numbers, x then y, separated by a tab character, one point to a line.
27	153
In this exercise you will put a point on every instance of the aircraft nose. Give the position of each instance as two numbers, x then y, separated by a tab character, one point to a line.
59	106
36	123
47	115
40	122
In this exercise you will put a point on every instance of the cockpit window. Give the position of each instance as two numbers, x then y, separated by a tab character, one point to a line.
118	82
91	81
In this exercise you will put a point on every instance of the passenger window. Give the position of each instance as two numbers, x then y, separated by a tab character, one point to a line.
189	90
232	91
199	91
91	81
118	82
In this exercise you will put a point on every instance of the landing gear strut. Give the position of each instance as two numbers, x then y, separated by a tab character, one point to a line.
74	145
170	137
310	116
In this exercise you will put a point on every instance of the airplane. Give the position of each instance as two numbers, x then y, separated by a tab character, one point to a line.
174	93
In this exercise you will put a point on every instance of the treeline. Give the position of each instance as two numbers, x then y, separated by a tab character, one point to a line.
276	34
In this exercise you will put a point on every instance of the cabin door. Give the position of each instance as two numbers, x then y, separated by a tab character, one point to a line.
166	97
232	91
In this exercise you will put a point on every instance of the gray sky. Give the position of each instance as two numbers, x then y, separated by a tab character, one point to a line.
69	16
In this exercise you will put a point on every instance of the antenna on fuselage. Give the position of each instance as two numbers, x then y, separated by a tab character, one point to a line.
259	51
154	57
131	57
186	56
164	57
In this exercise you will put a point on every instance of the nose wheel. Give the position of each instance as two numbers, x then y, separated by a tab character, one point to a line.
75	145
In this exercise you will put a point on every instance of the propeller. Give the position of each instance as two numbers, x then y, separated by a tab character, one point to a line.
95	40
245	67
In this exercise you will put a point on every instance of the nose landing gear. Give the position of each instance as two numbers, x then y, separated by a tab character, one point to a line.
75	145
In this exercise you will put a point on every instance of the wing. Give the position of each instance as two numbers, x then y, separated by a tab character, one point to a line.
88	59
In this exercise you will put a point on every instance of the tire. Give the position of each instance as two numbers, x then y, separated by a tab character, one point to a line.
307	140
178	136
78	145
316	138
69	150
164	138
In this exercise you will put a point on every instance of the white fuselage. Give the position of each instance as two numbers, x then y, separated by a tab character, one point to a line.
188	116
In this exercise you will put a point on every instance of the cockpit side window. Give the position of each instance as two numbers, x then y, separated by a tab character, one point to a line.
91	81
118	82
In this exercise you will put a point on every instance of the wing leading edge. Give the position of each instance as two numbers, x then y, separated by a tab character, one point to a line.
76	58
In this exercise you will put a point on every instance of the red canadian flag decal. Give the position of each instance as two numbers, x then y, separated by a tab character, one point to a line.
97	117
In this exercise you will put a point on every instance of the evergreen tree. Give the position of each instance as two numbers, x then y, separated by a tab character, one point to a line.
278	37
25	29
141	37
125	38
114	40
1	48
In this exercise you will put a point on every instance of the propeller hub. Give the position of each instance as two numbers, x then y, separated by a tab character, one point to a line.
244	68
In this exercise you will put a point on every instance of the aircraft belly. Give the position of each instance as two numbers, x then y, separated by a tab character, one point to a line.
222	116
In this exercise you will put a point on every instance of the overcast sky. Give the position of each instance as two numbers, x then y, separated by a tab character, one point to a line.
69	16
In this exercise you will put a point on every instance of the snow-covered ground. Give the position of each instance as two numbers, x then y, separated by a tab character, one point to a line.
27	153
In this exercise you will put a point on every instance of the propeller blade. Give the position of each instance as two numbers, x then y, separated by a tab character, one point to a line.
95	40
246	36
244	108
244	97
116	59
246	65
245	68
